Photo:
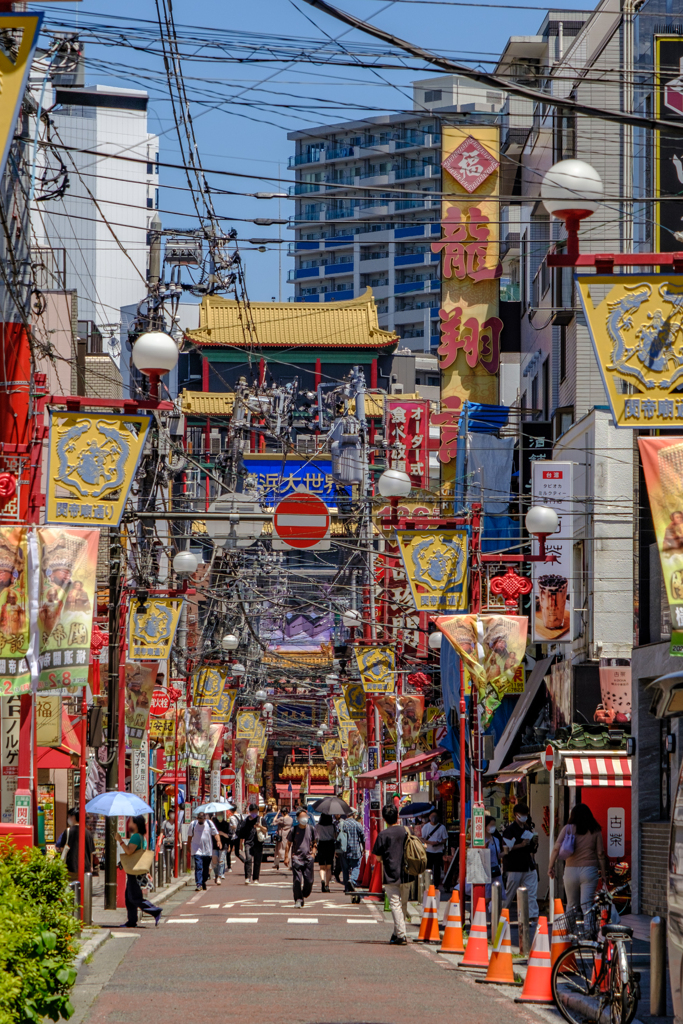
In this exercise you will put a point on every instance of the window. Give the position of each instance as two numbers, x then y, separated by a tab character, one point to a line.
563	353
432	95
545	372
564	135
433	382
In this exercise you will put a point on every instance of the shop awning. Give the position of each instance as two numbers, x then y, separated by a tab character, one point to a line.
170	778
518	770
411	766
516	721
283	790
597	771
60	757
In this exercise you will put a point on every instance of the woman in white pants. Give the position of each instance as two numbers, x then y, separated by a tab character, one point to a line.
587	864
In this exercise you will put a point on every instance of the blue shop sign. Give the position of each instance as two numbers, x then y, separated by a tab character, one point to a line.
277	479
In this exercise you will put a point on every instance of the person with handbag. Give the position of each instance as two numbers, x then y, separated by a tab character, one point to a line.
494	842
68	844
325	836
137	861
201	837
252	834
580	846
435	838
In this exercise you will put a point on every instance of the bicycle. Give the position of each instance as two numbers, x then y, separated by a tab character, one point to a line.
594	974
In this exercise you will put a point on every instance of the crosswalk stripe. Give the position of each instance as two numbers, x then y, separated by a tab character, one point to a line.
360	920
182	920
242	920
302	920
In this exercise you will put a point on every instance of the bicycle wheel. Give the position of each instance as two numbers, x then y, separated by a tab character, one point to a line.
576	982
624	996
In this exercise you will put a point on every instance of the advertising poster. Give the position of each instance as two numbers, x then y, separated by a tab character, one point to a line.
48	721
435	562
198	737
15	676
408	438
412	712
662	459
151	631
46	800
552	620
9	754
615	688
376	667
492	647
67	585
140	684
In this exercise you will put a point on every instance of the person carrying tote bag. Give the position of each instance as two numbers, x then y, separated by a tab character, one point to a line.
136	861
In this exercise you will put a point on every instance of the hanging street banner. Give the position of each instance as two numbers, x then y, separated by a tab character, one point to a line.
48	721
198	722
662	459
351	733
552	484
491	646
92	463
210	690
402	715
354	695
331	749
67	586
251	727
376	667
151	632
435	562
21	34
408	438
140	684
15	675
637	333
668	216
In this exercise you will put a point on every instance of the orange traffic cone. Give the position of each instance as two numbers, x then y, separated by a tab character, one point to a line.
376	888
500	970
560	940
429	925
537	982
477	953
364	873
452	936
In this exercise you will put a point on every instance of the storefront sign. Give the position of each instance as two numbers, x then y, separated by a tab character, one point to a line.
46	800
275	479
635	327
139	779
615	840
151	631
9	754
22	807
48	721
552	602
407	426
662	459
376	667
435	563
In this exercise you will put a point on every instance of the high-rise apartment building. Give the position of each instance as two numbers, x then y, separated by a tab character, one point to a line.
352	230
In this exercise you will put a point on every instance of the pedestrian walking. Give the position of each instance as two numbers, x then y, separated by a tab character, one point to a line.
135	897
520	844
301	848
200	837
220	854
435	838
389	847
583	854
168	829
494	842
69	841
251	834
283	822
325	839
350	847
234	822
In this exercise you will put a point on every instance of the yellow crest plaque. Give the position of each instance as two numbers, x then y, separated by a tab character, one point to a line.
435	562
636	326
151	632
376	667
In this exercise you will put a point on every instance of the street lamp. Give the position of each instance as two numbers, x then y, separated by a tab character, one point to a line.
435	639
238	669
542	522
351	618
185	563
571	190
154	354
260	696
230	642
394	484
268	709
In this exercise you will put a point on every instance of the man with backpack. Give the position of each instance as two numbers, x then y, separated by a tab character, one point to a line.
401	855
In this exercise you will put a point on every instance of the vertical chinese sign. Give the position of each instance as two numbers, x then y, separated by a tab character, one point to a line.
408	438
552	595
470	327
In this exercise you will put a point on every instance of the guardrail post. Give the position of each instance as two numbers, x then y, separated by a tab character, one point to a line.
496	903
87	898
76	890
658	967
523	920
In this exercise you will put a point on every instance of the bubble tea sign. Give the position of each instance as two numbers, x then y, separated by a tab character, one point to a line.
552	595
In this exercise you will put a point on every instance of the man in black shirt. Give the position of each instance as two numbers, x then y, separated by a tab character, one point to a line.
389	847
69	838
301	843
519	845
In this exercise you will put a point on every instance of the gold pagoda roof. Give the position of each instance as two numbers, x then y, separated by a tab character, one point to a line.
347	325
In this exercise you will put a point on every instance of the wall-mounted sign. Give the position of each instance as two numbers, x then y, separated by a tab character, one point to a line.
552	620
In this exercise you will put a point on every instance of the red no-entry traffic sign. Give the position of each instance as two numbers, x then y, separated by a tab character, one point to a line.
549	755
161	702
301	521
227	776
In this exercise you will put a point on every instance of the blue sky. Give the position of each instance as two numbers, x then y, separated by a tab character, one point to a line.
234	130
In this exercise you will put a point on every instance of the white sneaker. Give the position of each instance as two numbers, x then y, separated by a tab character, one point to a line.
247	882
218	881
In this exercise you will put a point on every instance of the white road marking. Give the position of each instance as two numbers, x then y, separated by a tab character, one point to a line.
182	920
302	920
242	920
211	906
360	920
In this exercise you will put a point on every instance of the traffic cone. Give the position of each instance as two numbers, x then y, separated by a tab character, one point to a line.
429	925
364	873
452	936
376	888
477	953
500	970
560	940
537	982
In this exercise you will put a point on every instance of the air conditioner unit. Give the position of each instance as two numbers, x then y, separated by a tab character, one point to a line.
215	442
397	389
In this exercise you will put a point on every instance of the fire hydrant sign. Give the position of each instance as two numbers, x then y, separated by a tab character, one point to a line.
301	521
161	702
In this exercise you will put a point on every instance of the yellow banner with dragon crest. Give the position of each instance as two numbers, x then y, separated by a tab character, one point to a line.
435	562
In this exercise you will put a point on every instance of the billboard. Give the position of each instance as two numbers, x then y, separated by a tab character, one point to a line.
552	602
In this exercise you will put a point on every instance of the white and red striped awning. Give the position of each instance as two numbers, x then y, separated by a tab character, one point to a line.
597	771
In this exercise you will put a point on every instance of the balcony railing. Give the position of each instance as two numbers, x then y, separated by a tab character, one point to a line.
410	172
313	156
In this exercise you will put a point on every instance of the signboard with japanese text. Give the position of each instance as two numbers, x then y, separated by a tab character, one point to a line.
376	667
68	578
635	327
469	323
668	216
48	721
407	434
139	775
15	676
140	684
46	800
662	459
275	478
92	463
9	754
478	822
295	715
435	562
553	582
152	629
536	444
394	601
615	840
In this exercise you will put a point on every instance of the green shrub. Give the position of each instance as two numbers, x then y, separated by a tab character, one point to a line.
37	930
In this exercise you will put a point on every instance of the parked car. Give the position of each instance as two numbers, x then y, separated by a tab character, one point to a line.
269	845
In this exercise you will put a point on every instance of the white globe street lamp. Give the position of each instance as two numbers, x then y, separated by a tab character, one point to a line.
541	520
230	642
154	354
268	708
435	639
185	563
351	618
394	483
238	669
572	190
260	696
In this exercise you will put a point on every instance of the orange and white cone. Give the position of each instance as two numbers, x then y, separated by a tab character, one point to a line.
500	970
477	952
376	889
560	940
452	936
429	925
537	982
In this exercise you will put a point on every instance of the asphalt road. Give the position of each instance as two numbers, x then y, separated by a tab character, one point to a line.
240	953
